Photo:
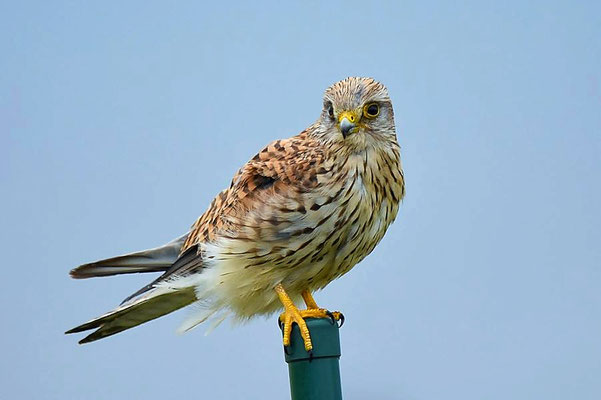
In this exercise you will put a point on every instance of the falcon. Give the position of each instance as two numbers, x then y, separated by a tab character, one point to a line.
299	214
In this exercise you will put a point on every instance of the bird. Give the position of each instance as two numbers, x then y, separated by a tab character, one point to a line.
299	214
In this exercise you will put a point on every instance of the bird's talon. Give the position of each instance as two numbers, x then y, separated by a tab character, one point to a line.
287	319
332	317
341	319
293	315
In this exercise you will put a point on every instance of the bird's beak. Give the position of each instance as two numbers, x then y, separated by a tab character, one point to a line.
347	121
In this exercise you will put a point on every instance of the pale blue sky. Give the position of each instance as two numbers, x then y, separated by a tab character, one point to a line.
120	123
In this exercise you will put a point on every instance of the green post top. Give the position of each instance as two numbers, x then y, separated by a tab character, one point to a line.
316	375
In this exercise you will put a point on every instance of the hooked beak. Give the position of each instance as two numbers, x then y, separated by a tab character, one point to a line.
347	121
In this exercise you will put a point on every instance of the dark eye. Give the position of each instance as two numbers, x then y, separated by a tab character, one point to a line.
331	110
371	110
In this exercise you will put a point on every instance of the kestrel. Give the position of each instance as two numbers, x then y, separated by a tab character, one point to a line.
299	214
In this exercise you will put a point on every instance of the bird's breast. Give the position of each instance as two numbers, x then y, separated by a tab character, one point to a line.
307	241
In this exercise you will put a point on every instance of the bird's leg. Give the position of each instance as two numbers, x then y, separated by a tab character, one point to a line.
314	311
309	300
292	314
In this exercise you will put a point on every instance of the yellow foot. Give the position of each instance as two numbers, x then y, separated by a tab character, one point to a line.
321	312
291	315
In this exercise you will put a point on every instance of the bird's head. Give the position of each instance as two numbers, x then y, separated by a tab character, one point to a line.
357	112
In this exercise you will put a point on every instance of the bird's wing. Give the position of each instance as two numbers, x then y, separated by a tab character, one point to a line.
268	195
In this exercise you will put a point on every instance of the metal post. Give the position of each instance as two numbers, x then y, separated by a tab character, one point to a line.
317	375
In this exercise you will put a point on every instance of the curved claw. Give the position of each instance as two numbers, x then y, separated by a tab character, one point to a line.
341	319
332	317
336	316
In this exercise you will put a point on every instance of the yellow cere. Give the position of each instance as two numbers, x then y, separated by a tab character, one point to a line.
350	115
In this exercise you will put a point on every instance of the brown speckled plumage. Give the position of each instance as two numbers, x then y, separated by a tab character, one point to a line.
300	213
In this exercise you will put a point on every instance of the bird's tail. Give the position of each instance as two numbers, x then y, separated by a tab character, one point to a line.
152	304
159	259
153	300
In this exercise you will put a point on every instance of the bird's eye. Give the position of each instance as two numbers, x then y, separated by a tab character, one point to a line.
331	110
371	110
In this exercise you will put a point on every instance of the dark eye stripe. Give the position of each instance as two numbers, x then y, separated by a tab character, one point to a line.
331	110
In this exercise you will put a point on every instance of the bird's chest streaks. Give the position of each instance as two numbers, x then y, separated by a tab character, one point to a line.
316	238
363	219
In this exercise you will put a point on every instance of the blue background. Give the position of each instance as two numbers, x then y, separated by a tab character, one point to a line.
119	123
